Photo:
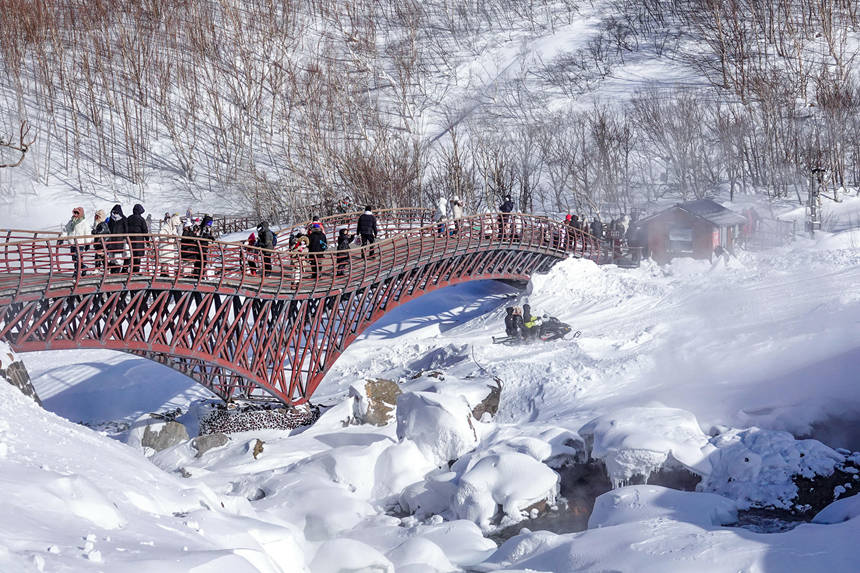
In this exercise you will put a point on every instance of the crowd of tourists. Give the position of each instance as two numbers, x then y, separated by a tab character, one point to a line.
122	244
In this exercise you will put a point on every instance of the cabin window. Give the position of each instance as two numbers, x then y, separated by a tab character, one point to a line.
681	240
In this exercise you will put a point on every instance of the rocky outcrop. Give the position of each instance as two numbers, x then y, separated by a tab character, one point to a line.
208	442
374	402
162	435
16	374
490	404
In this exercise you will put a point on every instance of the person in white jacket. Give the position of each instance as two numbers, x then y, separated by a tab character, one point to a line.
456	212
170	230
441	215
77	227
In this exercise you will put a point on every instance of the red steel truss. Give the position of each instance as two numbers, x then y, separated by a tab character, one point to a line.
244	321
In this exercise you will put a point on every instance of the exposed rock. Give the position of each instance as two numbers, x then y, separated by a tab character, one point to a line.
375	402
817	492
209	441
490	404
17	375
169	434
258	448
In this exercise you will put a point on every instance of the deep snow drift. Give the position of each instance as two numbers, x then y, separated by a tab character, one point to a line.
715	368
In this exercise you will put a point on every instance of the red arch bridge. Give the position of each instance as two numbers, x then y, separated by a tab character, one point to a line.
243	321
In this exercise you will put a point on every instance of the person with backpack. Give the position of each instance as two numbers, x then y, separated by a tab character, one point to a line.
189	245
316	244
266	241
367	229
344	242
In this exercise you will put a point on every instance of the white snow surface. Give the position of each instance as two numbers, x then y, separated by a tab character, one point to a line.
714	367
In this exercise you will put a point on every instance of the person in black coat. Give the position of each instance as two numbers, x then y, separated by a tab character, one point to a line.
367	229
189	246
505	209
316	244
136	224
118	226
344	240
510	323
205	236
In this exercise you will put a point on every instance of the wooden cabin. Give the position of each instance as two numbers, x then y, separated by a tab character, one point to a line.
693	229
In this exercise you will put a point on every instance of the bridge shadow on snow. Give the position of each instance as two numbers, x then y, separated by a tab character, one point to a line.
446	308
109	386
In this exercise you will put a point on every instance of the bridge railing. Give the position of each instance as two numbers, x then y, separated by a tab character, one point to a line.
103	261
390	222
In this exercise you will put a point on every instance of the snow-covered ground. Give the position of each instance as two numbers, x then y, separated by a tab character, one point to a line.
720	368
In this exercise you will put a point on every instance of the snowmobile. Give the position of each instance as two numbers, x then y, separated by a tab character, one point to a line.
550	329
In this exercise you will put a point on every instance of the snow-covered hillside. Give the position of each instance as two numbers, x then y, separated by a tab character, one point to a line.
714	369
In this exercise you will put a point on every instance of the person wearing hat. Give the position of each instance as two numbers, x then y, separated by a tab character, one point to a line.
266	241
76	227
136	225
100	227
367	228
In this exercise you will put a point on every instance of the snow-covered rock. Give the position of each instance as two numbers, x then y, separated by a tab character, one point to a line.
638	441
510	482
755	467
441	426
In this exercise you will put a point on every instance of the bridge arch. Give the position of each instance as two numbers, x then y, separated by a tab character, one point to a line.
277	332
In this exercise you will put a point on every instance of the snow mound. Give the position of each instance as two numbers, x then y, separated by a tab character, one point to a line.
648	502
441	426
638	441
839	511
755	466
344	555
419	554
510	482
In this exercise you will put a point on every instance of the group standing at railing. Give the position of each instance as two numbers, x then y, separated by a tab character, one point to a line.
120	243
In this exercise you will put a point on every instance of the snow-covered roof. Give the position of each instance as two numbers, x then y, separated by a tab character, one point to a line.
706	209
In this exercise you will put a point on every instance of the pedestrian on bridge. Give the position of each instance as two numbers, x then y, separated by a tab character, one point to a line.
136	225
344	242
316	244
205	238
505	210
76	227
367	229
266	242
441	215
100	227
168	242
119	237
456	212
